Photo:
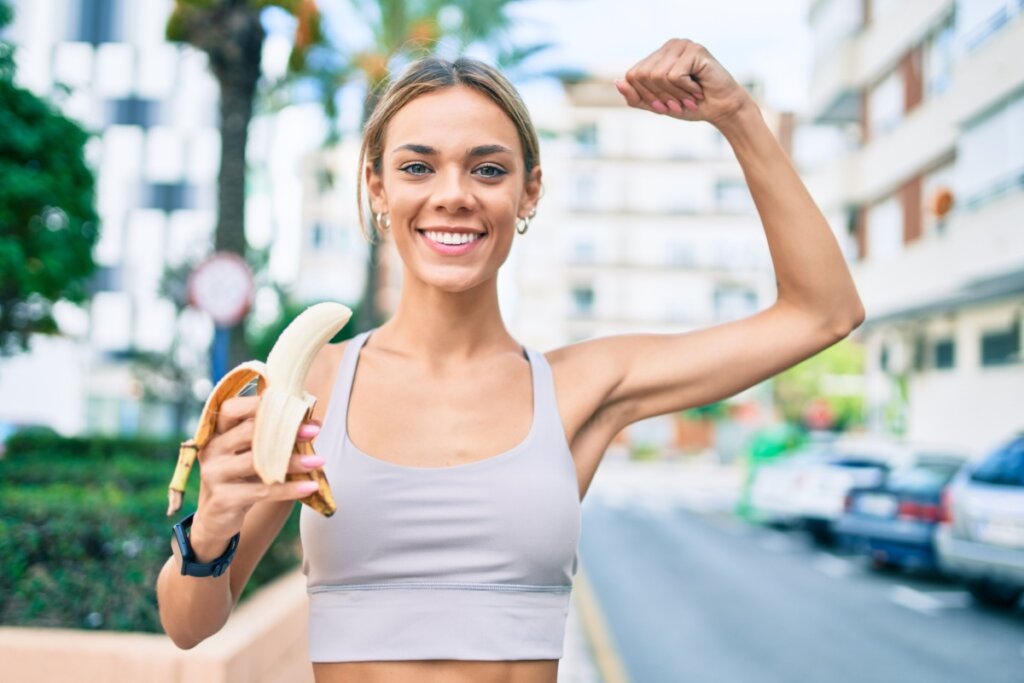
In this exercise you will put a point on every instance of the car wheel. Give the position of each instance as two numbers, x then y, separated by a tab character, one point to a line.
993	594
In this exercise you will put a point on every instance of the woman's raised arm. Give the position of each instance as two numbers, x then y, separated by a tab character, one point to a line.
817	302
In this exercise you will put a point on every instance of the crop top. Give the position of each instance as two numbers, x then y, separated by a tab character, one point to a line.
466	562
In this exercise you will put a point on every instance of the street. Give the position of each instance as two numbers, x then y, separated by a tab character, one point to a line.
689	593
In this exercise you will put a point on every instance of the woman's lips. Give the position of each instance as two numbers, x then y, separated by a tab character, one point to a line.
452	249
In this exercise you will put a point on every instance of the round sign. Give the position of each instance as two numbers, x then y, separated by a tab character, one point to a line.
222	287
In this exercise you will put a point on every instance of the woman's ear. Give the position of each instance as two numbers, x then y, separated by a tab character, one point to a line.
375	189
531	195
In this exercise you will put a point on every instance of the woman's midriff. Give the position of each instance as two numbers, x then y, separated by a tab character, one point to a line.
437	671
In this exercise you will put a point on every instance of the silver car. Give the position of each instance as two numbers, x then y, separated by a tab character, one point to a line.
982	537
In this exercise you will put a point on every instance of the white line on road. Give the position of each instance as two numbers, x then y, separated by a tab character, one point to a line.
833	566
915	600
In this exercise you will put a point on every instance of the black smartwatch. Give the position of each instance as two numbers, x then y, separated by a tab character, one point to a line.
189	566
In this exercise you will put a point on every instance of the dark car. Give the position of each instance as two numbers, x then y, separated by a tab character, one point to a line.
982	540
894	523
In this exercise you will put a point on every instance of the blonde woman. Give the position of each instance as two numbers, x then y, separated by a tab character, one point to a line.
457	456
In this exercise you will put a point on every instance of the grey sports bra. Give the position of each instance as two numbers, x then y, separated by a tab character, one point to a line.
468	562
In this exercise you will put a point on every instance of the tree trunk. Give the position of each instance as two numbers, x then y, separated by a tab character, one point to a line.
234	49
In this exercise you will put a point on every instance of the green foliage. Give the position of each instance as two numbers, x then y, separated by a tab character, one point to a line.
83	532
48	223
805	382
712	411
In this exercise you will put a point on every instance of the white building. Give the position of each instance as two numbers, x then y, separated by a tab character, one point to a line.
646	225
929	97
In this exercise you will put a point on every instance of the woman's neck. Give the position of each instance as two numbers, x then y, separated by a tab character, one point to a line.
435	325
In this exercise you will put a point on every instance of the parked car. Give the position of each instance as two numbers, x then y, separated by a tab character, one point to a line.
981	537
809	489
894	522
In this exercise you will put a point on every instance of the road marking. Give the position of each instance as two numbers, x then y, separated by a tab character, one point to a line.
915	600
609	664
833	566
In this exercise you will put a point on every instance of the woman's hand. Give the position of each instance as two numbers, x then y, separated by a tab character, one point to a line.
229	485
681	79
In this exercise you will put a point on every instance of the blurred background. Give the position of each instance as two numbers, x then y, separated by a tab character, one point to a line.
178	182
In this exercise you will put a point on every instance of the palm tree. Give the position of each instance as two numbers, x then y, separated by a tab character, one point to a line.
406	29
231	35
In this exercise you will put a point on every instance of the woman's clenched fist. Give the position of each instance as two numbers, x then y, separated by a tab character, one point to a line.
681	79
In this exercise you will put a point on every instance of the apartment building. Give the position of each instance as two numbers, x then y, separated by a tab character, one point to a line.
151	107
925	181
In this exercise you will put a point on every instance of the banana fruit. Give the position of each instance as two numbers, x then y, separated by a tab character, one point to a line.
284	405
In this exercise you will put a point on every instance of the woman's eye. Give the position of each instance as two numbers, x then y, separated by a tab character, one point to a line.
491	171
415	168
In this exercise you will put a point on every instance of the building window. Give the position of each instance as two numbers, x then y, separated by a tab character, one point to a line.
133	111
97	21
886	104
583	300
583	252
990	156
1001	347
586	139
317	236
885	229
584	191
682	254
883	359
732	304
945	354
733	196
169	196
939	57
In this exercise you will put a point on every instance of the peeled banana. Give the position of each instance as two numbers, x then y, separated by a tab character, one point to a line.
284	406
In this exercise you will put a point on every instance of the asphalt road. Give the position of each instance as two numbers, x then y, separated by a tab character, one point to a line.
690	594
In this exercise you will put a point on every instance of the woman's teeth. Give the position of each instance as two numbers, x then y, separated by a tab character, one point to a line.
452	237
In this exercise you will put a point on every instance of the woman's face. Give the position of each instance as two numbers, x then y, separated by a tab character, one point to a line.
452	170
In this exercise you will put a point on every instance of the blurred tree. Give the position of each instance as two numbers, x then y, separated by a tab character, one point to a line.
231	35
830	378
48	221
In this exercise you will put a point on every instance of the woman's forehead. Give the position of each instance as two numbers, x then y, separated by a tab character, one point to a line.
452	119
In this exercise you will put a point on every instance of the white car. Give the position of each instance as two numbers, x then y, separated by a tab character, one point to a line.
982	538
810	488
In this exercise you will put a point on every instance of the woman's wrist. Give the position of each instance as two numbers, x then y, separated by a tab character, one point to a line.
743	119
206	549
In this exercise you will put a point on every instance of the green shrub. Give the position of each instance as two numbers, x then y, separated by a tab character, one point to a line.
83	532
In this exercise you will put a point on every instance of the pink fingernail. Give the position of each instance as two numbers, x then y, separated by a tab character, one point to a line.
659	107
309	430
675	107
312	461
690	104
308	487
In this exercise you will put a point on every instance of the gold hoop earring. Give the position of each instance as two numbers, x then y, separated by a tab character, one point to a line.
383	221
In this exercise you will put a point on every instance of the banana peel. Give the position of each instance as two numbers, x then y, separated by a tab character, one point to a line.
284	406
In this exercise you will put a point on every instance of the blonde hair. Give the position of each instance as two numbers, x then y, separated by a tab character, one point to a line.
430	74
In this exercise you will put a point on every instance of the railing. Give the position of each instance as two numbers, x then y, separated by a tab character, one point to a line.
988	28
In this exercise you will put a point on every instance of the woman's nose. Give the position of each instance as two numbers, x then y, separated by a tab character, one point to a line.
453	192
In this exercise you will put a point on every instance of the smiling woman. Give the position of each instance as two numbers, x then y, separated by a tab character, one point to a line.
459	457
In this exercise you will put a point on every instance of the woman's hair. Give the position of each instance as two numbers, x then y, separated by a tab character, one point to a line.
428	75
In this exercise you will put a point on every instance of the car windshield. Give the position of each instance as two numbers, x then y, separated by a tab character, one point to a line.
924	476
1004	467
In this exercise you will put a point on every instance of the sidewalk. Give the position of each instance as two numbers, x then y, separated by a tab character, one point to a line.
577	665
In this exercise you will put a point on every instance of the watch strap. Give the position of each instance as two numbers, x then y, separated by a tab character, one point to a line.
189	565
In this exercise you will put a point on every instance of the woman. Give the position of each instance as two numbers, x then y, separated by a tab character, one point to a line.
452	552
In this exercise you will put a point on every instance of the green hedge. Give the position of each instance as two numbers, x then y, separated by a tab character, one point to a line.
83	532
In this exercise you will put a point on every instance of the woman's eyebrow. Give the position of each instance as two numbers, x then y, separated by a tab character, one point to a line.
427	150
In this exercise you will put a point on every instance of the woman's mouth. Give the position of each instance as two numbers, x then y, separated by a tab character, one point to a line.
451	243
